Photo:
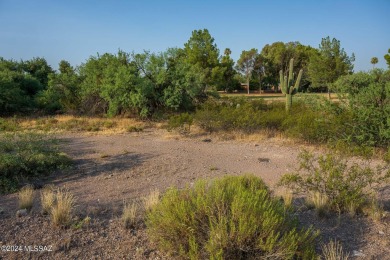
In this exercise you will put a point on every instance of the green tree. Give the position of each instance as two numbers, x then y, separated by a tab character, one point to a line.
224	74
111	85
63	92
17	88
246	64
329	64
259	69
278	55
202	52
374	60
39	69
387	58
366	95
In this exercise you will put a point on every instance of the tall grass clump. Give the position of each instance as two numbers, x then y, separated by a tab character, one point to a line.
48	199
334	251
228	218
61	211
129	215
25	157
26	197
336	185
151	199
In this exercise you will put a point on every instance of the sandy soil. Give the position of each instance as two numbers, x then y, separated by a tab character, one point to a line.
111	169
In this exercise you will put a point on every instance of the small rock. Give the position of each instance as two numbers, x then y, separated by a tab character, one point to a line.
256	145
358	253
21	213
381	232
264	160
207	140
1	210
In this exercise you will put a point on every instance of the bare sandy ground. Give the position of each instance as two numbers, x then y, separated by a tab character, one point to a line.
112	169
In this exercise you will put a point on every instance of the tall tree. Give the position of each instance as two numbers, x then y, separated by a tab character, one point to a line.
329	63
246	64
224	74
259	69
202	52
63	92
374	60
278	55
387	58
39	69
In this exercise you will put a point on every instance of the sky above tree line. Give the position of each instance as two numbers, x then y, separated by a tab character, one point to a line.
74	30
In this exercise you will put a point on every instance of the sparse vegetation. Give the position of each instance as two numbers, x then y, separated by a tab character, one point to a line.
334	251
61	211
26	197
24	157
182	122
151	200
48	199
319	202
334	185
228	218
129	215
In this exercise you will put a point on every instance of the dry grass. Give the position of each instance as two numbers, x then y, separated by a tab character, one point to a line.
151	200
26	197
319	201
61	212
286	195
48	199
63	123
129	215
334	251
374	210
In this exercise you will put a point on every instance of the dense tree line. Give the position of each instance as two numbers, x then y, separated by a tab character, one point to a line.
175	80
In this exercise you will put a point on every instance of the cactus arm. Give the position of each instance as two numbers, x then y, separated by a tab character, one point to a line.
290	73
282	82
285	85
298	81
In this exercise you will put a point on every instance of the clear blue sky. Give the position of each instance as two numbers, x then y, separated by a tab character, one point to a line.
75	29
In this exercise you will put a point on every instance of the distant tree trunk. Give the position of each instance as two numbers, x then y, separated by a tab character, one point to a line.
260	84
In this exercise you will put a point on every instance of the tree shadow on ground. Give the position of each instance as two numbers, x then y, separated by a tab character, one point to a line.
87	162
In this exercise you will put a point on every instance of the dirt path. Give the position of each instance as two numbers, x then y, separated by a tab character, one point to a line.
114	168
111	168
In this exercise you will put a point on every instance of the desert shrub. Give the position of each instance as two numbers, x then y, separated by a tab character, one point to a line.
346	188
228	218
8	125
24	157
129	215
334	251
367	96
48	198
26	197
61	211
182	122
240	114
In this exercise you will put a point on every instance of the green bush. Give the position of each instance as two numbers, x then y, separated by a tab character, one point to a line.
346	188
366	95
25	157
183	122
8	125
228	218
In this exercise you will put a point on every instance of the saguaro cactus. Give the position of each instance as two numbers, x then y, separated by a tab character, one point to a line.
287	84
